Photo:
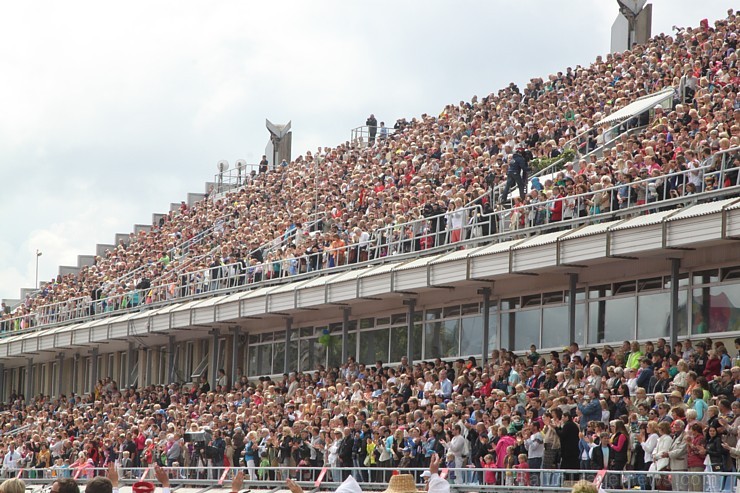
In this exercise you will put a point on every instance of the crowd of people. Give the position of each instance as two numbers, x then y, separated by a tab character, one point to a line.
357	201
650	414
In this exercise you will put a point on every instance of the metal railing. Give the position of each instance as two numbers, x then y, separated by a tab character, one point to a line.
236	177
376	477
363	135
444	232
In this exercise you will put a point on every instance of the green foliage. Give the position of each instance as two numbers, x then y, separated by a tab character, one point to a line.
538	164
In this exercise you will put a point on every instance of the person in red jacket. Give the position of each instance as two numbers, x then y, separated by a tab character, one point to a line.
556	211
713	367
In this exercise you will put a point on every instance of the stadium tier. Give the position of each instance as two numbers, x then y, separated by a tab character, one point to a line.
426	290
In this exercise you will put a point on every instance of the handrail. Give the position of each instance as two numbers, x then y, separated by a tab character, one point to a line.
389	242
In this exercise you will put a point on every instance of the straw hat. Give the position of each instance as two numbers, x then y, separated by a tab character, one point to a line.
402	483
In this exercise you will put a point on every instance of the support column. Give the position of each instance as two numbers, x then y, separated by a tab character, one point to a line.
675	267
235	334
170	359
130	363
288	330
29	380
60	374
345	334
2	382
411	304
75	373
93	368
212	370
486	293
573	286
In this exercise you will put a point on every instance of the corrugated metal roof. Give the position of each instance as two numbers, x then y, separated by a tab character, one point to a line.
703	209
291	286
504	246
256	293
638	106
188	305
733	207
419	262
349	275
229	298
539	240
380	269
590	230
639	221
457	255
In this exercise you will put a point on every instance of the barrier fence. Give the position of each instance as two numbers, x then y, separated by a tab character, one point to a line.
376	477
451	230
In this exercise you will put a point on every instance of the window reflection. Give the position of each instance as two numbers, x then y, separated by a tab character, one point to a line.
527	329
654	316
716	309
471	339
555	327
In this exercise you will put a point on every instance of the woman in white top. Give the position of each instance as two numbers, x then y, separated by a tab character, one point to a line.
662	446
333	456
649	441
680	380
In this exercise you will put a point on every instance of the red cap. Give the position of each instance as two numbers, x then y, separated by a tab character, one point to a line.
143	487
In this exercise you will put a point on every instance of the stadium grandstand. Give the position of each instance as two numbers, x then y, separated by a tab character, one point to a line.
531	285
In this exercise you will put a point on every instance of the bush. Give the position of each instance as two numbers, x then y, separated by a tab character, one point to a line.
536	165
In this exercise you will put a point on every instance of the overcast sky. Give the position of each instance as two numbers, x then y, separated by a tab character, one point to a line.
110	111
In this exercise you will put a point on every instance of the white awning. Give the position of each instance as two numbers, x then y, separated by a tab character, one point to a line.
638	106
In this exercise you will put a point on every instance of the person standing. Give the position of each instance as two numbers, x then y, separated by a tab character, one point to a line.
516	173
372	128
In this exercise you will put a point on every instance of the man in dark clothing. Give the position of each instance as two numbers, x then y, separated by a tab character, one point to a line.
569	438
372	128
345	452
516	174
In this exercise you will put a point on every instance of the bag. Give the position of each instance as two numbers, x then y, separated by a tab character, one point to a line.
384	455
366	462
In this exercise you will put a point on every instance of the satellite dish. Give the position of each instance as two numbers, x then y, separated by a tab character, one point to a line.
240	164
222	165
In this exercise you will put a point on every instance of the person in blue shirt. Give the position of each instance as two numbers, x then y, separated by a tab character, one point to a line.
445	385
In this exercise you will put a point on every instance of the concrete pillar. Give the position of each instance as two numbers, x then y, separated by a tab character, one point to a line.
486	293
171	370
235	335
411	309
2	382
675	268
75	374
93	367
286	358
60	374
345	334
573	286
141	374
129	363
212	365
29	379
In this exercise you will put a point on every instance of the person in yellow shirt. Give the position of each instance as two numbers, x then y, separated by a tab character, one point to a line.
633	361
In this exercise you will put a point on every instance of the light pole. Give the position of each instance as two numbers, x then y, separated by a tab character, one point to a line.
38	254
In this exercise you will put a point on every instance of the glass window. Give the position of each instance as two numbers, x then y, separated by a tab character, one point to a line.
268	336
620	319
292	356
555	329
471	309
451	311
306	331
374	346
730	273
398	318
596	319
624	287
683	312
382	321
532	300
653	316
471	338
335	349
553	298
433	314
706	276
510	304
278	357
313	353
581	323
441	339
400	346
526	329
418	333
716	309
335	328
367	323
264	359
599	291
649	284
252	361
